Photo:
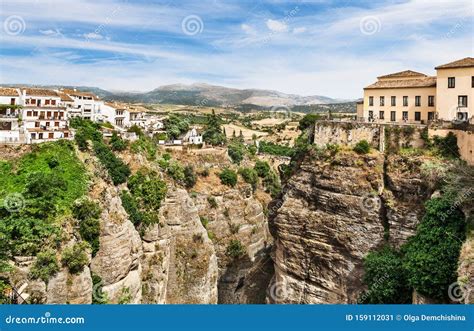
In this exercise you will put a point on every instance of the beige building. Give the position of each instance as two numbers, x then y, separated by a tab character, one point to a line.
403	97
413	97
455	90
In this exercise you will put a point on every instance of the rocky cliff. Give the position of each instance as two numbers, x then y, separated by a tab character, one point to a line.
335	210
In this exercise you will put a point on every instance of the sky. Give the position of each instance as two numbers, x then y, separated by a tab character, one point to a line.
318	47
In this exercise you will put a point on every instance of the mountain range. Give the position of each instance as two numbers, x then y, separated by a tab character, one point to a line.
207	95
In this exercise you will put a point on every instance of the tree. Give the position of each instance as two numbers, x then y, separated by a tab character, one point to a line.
385	278
228	177
213	134
308	120
236	151
190	177
75	258
262	168
431	255
117	143
45	266
250	176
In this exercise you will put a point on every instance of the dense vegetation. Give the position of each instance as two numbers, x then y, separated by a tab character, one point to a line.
87	213
213	134
37	190
228	177
362	147
275	149
143	200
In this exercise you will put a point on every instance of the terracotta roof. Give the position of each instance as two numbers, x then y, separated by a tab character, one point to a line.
463	63
65	97
9	92
116	105
404	83
406	73
80	94
40	92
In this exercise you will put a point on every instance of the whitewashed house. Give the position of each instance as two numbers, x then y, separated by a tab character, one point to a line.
44	115
86	105
192	137
10	116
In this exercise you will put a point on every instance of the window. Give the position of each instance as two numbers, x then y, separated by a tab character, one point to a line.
405	116
431	100
66	134
51	135
417	101
451	82
37	124
431	116
53	102
28	113
47	123
12	100
472	81
46	102
405	101
371	103
381	115
382	101
462	101
417	116
56	123
371	114
393	116
35	113
393	101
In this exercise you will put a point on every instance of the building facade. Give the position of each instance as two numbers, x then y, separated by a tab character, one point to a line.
415	98
10	116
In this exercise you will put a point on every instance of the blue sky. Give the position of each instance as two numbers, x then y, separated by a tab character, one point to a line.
318	47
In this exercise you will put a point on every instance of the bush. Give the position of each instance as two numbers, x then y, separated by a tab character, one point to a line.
76	257
362	147
235	249
190	177
236	151
131	207
117	170
250	176
262	168
447	146
81	140
117	143
176	171
272	184
308	120
228	177
275	149
385	278
431	255
45	266
88	213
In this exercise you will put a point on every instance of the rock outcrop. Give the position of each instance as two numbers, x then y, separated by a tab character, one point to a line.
335	210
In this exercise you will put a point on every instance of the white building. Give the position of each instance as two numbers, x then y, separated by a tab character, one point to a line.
192	137
86	105
10	116
44	116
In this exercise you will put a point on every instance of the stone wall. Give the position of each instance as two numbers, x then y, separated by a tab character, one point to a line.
465	142
350	133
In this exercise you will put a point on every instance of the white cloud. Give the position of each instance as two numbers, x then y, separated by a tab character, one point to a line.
299	30
93	35
276	26
248	29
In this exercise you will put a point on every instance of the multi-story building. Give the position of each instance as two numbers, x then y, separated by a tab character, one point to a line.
86	105
413	97
10	111
406	96
43	114
455	90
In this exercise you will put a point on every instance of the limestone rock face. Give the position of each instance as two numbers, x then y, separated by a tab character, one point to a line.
120	250
335	211
70	288
237	215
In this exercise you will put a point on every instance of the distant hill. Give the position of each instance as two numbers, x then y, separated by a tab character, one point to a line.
208	95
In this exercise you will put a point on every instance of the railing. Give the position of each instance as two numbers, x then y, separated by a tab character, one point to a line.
15	298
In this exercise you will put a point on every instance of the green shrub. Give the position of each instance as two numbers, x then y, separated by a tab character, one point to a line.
204	221
308	120
275	149
236	151
272	184
431	255
385	278
250	176
447	146
362	147
262	168
125	296
117	143
117	170
131	207
76	257
213	134
228	177
88	213
190	177
45	266
235	249
176	171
